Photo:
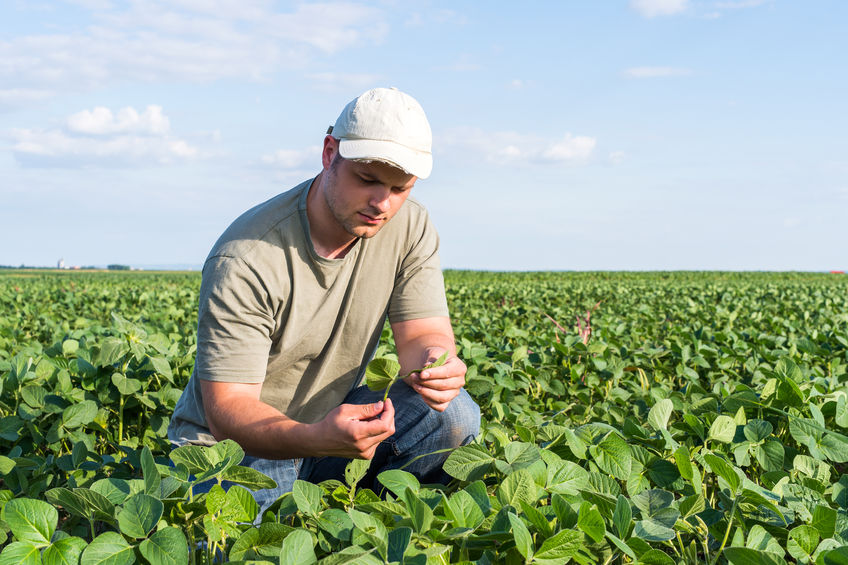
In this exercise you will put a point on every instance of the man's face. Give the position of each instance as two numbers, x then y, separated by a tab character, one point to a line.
362	196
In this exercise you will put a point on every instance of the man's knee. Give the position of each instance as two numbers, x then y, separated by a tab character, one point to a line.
461	420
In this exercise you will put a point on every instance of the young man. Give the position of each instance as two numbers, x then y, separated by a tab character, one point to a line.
292	305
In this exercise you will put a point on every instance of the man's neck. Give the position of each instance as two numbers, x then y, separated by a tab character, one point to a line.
322	225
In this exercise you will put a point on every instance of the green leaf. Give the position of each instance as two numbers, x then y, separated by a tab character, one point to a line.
355	470
523	539
651	530
6	465
723	429
684	464
31	520
746	556
724	470
20	553
240	506
660	413
591	522
613	456
65	551
125	385
139	515
655	557
419	512
307	497
517	486
80	414
758	430
622	517
565	477
398	542
397	481
248	477
265	540
463	511
168	546
802	542
559	548
152	480
381	372
109	548
193	457
468	463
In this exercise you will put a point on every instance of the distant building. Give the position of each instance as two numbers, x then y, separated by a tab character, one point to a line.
60	264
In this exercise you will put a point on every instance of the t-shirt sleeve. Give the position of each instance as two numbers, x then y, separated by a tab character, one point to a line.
419	290
234	323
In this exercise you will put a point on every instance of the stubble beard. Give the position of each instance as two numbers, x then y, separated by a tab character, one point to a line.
348	223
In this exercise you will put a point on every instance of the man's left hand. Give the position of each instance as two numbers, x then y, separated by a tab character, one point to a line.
439	385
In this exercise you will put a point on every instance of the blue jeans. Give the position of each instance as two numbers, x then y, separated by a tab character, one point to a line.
418	430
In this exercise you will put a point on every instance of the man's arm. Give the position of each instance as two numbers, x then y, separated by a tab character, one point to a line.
234	411
423	341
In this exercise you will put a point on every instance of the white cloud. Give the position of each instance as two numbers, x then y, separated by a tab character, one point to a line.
100	137
617	157
188	40
101	121
507	147
294	158
654	72
19	96
791	222
653	8
741	4
570	149
517	84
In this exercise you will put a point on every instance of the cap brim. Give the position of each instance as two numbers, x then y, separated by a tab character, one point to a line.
417	163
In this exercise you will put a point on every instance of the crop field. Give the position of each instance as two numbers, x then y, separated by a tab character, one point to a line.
658	418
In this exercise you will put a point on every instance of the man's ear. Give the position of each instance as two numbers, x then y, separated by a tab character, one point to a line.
331	147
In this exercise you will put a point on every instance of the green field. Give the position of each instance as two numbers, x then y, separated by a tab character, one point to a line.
703	419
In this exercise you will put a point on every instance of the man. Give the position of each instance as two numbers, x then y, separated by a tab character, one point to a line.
292	304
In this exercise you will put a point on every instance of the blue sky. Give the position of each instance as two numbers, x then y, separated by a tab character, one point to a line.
641	134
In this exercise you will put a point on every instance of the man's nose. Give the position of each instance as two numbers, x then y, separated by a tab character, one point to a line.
380	199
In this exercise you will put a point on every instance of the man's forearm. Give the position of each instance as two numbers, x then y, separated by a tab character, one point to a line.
413	353
260	429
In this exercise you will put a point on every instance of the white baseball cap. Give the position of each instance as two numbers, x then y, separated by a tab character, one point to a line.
387	125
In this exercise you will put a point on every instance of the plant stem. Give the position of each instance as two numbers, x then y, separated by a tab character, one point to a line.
727	532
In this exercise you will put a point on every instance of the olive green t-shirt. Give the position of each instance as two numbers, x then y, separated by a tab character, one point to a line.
273	311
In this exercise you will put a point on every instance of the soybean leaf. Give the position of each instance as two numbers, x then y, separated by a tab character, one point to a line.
398	541
139	515
397	481
355	470
591	522
80	414
31	520
723	429
381	372
622	517
559	548
307	497
168	546
248	477
522	537
20	553
469	462
746	556
152	479
660	413
109	548
297	549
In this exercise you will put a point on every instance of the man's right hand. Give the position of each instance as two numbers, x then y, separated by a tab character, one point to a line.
355	430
